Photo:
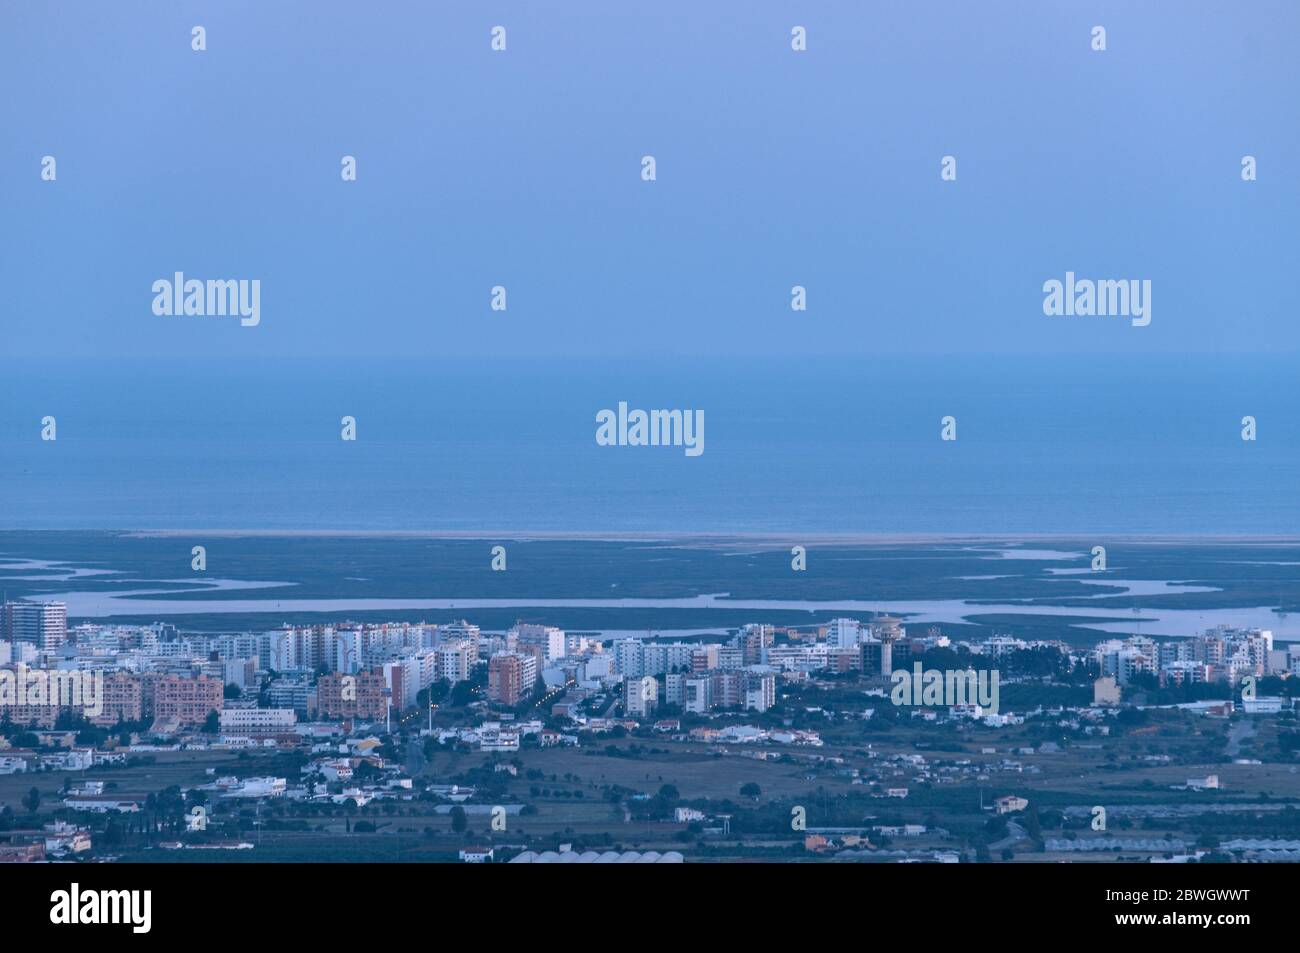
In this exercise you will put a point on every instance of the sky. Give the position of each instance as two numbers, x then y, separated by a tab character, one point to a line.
522	168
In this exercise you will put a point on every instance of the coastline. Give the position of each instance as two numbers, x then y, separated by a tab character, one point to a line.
677	535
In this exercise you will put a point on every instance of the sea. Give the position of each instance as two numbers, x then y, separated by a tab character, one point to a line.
1130	444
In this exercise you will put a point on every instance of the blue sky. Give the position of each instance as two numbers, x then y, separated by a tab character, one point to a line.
522	169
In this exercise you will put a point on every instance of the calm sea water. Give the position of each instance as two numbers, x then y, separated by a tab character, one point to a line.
1045	445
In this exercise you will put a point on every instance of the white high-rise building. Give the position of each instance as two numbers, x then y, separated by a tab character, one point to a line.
453	631
760	692
660	658
42	624
629	658
454	661
844	633
675	688
697	694
546	637
640	696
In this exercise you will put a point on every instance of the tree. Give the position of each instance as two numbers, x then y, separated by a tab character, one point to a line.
113	834
996	827
459	822
750	789
32	800
1033	826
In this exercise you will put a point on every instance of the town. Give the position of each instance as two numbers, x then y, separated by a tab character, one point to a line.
443	742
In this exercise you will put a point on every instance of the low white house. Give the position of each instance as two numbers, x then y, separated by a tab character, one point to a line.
101	805
252	787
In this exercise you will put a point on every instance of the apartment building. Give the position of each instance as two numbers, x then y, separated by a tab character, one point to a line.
640	696
187	701
363	695
511	677
238	721
42	624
